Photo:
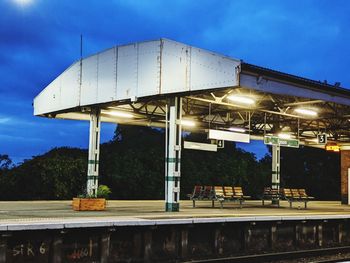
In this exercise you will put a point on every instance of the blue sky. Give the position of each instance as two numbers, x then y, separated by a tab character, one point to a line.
39	39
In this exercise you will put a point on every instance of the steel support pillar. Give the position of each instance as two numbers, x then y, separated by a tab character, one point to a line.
173	154
94	152
276	157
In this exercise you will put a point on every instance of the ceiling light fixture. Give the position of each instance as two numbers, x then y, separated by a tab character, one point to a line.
237	129
119	114
188	123
241	99
306	112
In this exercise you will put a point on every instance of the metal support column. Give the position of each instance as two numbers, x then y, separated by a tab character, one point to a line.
173	154
276	157
94	152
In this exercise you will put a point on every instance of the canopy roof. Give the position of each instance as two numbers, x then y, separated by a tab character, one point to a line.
137	79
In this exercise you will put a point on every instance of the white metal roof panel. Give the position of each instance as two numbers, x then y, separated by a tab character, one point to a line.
137	70
107	76
175	67
148	69
222	69
88	93
126	72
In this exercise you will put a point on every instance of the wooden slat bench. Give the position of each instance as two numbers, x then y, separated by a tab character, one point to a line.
200	193
229	194
296	195
271	195
218	193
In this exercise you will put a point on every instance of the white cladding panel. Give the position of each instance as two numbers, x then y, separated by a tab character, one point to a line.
148	68
88	94
137	70
127	72
107	76
175	67
209	70
70	87
49	99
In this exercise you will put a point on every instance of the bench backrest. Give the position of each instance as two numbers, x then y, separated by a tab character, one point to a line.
295	193
274	192
197	191
207	191
287	193
238	191
302	192
219	191
267	190
228	191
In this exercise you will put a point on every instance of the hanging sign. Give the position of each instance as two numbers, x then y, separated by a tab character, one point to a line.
220	144
275	140
200	146
228	136
322	138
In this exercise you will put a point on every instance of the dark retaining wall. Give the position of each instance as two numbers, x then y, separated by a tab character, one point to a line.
170	243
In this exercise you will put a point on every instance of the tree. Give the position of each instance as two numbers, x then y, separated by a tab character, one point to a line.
314	169
5	162
58	174
133	164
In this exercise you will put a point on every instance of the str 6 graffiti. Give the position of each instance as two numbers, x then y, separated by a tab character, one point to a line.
29	249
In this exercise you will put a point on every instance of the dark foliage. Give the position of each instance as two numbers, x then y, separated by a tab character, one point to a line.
132	165
58	174
314	169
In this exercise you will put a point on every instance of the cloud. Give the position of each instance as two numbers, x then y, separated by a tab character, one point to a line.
4	120
39	41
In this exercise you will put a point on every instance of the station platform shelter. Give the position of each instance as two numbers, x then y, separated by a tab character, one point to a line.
170	85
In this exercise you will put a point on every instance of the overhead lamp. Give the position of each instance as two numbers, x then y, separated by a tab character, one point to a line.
119	114
241	99
237	129
306	112
284	136
188	123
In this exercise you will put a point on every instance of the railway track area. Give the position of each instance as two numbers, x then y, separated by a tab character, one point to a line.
325	255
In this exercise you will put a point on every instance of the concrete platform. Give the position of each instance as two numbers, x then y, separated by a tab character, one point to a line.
26	215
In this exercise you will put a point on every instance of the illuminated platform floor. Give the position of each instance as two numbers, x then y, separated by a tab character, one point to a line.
20	215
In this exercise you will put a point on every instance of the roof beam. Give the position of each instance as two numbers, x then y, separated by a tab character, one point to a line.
283	88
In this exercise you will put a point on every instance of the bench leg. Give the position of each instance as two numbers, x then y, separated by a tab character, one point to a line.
212	203
263	202
240	203
305	204
193	203
221	205
290	204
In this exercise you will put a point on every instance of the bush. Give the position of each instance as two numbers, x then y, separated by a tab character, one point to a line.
103	191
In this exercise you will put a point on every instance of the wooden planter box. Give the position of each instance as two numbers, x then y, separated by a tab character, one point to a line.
89	204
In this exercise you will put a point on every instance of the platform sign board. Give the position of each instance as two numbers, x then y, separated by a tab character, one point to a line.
228	136
275	140
271	140
200	146
322	138
220	144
